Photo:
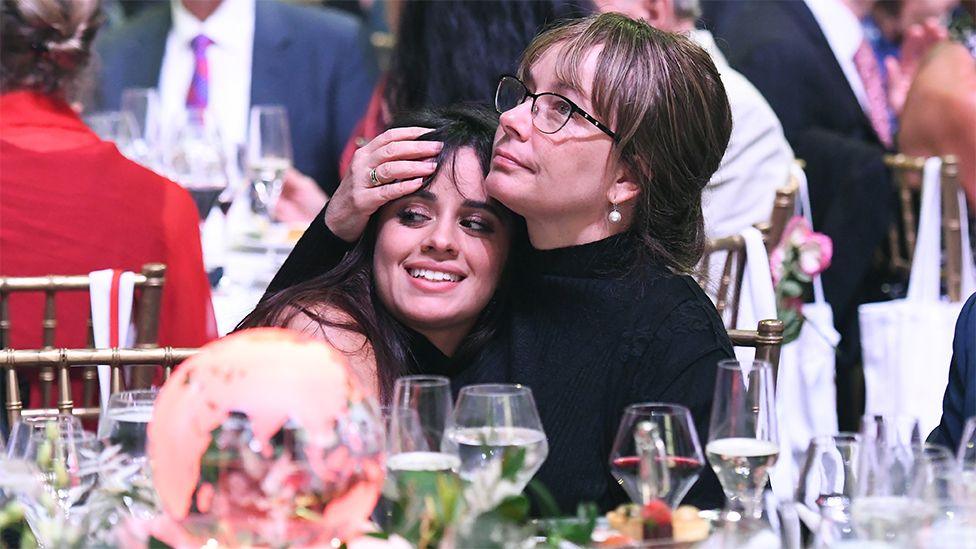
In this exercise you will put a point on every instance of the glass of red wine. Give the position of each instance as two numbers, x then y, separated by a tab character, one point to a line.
682	452
196	160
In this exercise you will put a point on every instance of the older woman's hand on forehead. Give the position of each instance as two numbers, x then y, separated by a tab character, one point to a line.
392	165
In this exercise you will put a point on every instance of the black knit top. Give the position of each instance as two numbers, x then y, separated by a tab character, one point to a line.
589	333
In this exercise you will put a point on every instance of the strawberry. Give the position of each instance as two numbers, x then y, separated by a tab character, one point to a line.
657	519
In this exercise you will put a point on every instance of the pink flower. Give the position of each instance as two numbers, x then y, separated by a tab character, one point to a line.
812	250
815	254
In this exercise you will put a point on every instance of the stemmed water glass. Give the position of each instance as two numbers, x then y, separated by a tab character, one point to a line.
269	156
682	457
118	127
18	443
418	416
494	423
888	501
143	105
126	419
742	439
827	475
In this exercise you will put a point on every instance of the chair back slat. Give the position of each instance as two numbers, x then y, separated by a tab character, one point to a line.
64	359
907	176
784	208
54	375
732	250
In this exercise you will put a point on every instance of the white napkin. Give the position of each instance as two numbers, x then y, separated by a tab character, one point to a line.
111	332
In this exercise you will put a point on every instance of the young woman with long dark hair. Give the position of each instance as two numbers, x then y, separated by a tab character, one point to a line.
428	267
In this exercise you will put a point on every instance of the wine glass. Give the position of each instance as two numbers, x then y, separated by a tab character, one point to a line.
25	428
430	397
125	420
888	500
827	474
269	156
742	438
118	127
143	105
966	455
682	453
494	425
67	461
195	159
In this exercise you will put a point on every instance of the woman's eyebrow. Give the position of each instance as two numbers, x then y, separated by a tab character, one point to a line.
481	205
424	194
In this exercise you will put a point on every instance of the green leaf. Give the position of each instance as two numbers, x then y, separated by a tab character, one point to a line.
790	288
154	543
513	508
378	535
513	459
547	504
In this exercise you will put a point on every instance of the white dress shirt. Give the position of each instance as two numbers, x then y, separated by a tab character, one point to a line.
229	58
757	162
844	34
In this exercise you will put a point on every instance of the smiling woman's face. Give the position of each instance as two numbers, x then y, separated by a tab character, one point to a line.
440	253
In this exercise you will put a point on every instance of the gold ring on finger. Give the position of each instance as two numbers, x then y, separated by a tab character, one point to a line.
373	180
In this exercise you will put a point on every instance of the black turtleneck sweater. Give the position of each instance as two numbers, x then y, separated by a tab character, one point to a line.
589	333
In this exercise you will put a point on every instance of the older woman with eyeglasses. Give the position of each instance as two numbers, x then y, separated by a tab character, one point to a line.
608	136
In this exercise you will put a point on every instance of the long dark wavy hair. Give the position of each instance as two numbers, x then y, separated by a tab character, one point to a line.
349	286
453	51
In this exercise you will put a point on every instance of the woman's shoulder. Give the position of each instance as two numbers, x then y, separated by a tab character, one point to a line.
336	327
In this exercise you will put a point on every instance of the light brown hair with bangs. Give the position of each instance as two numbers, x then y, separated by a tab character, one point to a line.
662	96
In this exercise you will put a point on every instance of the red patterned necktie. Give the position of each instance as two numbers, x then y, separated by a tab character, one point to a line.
196	96
870	72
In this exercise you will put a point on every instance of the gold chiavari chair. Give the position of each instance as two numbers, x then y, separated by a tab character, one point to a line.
767	339
784	208
731	251
62	360
907	175
149	286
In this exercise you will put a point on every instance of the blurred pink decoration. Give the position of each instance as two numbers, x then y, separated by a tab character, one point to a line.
265	438
813	250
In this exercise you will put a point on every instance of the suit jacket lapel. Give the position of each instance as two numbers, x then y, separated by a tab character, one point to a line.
268	71
808	24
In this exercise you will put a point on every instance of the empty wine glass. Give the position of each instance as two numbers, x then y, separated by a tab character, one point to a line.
742	438
269	156
827	474
24	428
888	502
118	127
125	420
195	159
143	105
430	397
683	456
494	424
67	461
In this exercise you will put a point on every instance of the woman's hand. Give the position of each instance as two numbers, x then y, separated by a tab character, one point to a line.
301	198
400	165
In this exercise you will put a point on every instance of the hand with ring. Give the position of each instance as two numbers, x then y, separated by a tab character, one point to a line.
392	165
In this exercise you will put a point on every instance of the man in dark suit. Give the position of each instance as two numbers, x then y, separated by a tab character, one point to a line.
315	61
960	396
784	50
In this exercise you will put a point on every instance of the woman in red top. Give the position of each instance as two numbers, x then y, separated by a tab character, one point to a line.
71	203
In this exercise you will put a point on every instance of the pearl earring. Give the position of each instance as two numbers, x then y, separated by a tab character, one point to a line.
614	215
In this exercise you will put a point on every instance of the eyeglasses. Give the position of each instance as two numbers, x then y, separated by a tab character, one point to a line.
550	111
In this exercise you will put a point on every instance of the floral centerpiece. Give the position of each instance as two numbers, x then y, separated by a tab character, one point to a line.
800	255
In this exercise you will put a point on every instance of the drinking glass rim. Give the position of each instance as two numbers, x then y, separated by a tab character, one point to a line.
846	437
656	408
495	389
425	380
118	397
735	364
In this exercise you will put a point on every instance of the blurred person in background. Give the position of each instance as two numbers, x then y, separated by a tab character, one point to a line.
446	52
815	66
758	159
314	61
939	116
71	203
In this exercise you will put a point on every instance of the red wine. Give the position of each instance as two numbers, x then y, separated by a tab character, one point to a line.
204	198
683	472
